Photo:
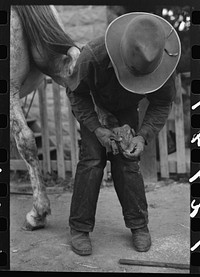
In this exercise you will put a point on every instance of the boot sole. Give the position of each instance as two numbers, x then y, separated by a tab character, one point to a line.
142	250
83	252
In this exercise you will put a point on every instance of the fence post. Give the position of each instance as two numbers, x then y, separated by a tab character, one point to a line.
179	127
163	151
148	158
44	127
73	138
58	130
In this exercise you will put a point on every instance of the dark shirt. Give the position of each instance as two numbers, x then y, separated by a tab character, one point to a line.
94	74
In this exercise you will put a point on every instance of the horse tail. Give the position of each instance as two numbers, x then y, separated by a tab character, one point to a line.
42	29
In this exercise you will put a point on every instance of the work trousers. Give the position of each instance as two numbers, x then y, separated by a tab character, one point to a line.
126	175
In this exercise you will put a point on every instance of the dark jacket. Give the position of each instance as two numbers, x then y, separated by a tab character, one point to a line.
95	74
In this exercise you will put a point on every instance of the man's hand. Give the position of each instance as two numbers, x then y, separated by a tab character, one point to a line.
107	139
135	148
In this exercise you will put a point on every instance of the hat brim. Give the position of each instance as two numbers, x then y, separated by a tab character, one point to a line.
145	83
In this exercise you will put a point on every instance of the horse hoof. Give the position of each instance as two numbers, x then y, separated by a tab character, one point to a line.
28	227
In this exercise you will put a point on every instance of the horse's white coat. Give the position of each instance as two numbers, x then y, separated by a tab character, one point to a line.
24	78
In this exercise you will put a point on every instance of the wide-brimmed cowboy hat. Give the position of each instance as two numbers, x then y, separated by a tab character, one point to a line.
144	49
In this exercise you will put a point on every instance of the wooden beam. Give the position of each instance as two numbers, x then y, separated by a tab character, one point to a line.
44	127
58	130
148	158
21	165
163	151
73	138
179	128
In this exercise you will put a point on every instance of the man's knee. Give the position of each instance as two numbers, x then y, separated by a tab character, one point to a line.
95	160
93	155
124	163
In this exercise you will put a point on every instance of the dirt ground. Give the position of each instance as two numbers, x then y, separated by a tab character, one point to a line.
49	249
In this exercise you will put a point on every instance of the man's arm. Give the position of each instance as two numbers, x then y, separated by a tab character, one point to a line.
83	106
83	109
160	104
82	103
78	90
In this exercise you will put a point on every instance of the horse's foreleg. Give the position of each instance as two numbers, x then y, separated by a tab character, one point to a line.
26	145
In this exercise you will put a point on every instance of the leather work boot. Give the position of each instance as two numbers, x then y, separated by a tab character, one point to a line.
141	239
80	242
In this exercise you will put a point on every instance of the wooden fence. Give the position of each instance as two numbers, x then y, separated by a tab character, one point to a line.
178	162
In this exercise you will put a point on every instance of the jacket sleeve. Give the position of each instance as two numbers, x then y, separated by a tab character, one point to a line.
79	95
160	104
83	107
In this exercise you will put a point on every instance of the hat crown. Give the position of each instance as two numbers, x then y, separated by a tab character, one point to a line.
142	44
144	49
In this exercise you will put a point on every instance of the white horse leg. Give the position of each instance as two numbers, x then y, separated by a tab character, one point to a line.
19	70
26	145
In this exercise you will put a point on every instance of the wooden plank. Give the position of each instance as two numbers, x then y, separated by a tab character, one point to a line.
105	174
148	158
21	165
107	170
44	128
73	138
58	130
149	163
172	162
179	128
163	151
172	165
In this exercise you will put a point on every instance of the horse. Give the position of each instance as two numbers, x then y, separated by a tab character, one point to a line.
39	46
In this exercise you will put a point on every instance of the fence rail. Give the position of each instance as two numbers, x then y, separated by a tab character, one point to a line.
177	162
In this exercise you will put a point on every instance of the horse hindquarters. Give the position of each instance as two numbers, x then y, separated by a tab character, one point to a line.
27	148
19	68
